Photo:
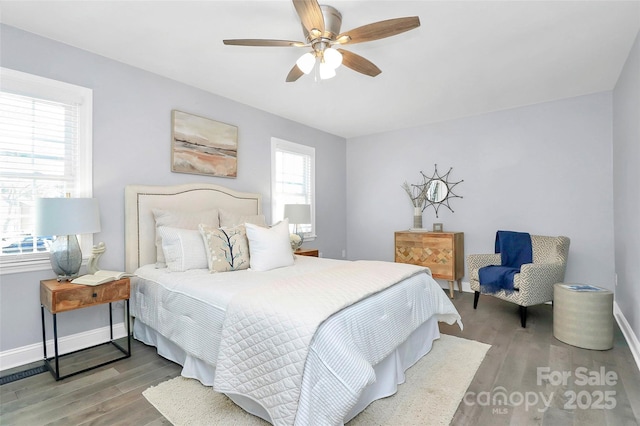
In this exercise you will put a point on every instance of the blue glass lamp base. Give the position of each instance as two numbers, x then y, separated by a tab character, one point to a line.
66	257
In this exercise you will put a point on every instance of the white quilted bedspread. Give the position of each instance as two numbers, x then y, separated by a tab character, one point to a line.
267	331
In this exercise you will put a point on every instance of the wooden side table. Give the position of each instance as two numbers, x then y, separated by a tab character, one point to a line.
306	252
59	297
442	252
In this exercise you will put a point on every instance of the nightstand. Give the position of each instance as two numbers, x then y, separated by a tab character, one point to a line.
59	297
306	252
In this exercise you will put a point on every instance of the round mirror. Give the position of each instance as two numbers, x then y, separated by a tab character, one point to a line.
437	191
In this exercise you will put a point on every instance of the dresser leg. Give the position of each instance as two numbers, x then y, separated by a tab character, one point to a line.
451	289
460	285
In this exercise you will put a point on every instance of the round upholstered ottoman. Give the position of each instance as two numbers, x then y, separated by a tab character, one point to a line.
583	316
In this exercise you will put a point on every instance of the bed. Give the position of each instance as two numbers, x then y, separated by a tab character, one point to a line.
312	342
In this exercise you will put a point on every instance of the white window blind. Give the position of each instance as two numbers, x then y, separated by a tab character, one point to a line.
44	144
293	176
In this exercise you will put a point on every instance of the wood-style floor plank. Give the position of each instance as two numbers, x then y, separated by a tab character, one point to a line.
112	395
117	408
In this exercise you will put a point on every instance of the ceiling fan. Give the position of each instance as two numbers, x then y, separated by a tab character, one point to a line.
321	28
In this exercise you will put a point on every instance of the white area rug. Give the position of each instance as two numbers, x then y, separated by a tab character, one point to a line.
434	387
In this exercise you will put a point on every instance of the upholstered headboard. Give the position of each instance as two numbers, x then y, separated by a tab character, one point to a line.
139	200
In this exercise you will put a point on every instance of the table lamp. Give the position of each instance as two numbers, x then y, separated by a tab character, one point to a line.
65	218
298	214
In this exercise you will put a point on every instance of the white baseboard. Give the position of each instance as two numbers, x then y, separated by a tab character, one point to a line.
629	335
32	353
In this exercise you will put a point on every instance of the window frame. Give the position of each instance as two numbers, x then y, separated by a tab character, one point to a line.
35	86
278	144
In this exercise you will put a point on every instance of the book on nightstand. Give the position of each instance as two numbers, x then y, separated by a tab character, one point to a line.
100	277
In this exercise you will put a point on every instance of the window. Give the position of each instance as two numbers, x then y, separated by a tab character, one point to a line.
45	151
293	180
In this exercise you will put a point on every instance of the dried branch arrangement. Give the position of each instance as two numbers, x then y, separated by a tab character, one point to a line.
416	194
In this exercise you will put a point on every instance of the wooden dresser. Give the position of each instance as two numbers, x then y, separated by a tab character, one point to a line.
442	252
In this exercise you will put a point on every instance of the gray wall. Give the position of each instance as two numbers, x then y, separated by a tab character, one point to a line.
131	145
626	187
543	169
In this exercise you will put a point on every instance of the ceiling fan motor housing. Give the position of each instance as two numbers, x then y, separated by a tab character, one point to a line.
332	21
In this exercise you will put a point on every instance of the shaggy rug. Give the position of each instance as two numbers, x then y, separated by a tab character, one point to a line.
433	389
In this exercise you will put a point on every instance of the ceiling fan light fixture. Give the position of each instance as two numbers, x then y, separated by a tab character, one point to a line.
306	62
326	71
332	58
321	29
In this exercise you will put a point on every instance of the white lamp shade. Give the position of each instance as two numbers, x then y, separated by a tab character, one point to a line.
306	62
332	57
67	216
298	214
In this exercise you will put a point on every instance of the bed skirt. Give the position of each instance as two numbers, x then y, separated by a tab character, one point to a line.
389	372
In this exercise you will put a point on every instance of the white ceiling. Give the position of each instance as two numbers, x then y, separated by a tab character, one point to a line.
467	58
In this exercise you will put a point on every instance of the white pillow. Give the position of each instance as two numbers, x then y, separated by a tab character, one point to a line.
229	219
269	248
183	220
183	249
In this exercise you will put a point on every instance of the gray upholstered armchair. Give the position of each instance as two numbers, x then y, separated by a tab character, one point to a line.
534	283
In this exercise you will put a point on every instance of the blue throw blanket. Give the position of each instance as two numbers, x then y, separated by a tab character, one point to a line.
515	250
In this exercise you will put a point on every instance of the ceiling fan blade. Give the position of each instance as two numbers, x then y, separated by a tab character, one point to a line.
378	30
294	74
260	42
310	14
358	63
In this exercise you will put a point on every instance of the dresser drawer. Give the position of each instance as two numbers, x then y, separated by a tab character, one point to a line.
61	297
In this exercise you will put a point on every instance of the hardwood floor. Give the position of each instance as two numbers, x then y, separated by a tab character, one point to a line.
112	395
518	354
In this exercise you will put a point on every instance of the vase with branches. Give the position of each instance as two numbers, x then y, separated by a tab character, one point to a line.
418	197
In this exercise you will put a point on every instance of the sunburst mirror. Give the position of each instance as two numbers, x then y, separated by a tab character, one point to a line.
438	189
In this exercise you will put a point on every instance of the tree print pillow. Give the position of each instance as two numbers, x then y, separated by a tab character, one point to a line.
227	248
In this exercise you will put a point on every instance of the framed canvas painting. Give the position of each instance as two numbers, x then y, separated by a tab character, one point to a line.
203	146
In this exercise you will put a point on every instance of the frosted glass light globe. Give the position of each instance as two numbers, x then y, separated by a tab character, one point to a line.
306	62
326	71
332	57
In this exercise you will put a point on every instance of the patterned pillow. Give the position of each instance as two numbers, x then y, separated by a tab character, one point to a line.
227	248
